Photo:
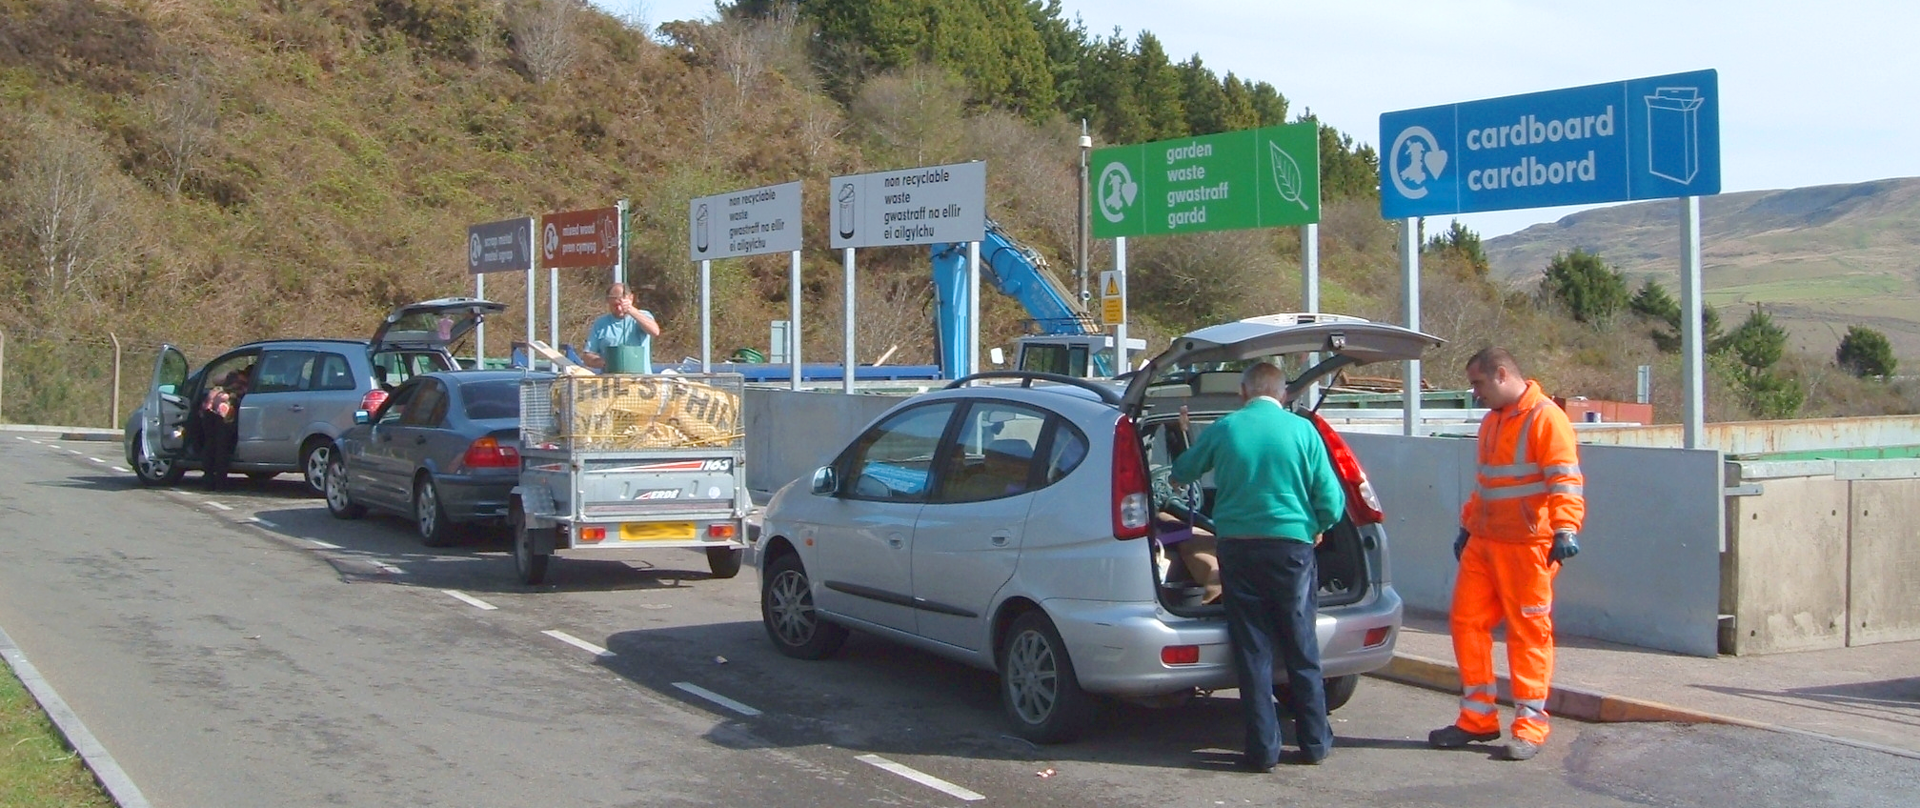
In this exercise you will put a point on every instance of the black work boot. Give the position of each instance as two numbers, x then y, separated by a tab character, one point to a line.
1453	737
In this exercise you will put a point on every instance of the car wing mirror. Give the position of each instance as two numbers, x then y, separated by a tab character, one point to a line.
825	482
362	417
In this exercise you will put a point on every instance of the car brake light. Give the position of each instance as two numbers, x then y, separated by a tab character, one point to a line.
1130	489
720	531
1362	504
372	400
488	453
593	534
1180	655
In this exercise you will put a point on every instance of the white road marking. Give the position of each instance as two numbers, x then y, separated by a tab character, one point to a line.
30	440
96	460
922	778
75	451
221	506
121	469
323	545
470	600
389	568
717	698
578	643
261	522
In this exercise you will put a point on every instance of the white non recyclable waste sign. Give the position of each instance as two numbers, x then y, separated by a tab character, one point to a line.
755	221
926	205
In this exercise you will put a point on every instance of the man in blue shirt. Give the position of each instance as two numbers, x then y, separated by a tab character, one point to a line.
1275	494
622	325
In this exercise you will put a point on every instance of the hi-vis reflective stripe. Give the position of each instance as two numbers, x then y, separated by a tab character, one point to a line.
1529	708
1495	492
1568	471
1526	428
1478	690
1481	707
1567	488
1515	470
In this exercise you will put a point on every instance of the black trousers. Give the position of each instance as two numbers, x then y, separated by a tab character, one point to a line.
1269	593
220	437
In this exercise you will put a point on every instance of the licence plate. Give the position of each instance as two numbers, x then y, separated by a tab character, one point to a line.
656	531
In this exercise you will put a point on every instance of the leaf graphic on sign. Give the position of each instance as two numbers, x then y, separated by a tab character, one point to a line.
1286	175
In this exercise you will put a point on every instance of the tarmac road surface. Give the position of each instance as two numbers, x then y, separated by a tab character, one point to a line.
245	649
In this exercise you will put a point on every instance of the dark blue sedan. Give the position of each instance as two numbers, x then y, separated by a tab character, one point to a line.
444	449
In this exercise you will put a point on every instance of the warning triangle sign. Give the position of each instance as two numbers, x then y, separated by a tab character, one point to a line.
1113	288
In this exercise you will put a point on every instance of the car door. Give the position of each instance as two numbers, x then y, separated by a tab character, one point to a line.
865	531
277	400
379	477
422	433
967	540
164	414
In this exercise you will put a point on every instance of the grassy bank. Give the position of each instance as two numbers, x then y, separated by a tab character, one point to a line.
37	770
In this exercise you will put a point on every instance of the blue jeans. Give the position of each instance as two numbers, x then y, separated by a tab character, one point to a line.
1270	586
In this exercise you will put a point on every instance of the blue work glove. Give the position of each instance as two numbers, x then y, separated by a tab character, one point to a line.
1565	546
1459	544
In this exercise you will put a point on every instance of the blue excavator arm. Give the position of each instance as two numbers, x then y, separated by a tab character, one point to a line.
1014	269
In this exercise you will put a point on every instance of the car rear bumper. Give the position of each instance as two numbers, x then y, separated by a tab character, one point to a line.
1116	647
473	498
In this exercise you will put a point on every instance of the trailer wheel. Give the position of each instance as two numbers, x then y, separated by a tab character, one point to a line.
725	561
531	566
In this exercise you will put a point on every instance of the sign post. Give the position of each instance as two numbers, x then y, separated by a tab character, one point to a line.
914	206
736	224
503	246
1651	138
571	240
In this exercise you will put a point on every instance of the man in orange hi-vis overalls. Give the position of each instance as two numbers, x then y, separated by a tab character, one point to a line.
1520	523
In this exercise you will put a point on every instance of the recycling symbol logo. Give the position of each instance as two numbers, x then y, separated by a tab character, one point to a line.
473	249
553	240
1116	191
1416	159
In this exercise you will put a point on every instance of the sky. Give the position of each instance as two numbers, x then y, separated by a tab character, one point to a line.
1811	94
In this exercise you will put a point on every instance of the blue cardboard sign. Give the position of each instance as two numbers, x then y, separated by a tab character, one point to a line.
1651	138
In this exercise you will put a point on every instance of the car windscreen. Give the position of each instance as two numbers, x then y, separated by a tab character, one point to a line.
491	399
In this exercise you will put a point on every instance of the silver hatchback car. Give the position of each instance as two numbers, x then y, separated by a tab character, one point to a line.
1009	526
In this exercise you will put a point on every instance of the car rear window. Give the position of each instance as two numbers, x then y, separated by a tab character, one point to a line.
491	399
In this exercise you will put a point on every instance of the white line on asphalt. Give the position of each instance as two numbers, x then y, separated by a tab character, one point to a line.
927	780
96	460
120	469
220	506
75	451
470	600
578	643
261	522
119	786
323	545
389	568
717	698
30	440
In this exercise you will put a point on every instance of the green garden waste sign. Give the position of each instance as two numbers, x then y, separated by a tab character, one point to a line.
1231	181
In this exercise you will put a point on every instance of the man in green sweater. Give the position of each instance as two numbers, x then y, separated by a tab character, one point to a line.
1276	493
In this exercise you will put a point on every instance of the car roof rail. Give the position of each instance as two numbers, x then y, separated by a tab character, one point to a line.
1028	377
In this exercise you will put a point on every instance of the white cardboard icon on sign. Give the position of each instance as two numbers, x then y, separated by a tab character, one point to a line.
1675	113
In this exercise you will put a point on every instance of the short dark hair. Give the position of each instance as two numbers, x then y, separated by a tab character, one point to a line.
1489	358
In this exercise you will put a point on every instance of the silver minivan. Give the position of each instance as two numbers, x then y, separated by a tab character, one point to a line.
1006	522
302	393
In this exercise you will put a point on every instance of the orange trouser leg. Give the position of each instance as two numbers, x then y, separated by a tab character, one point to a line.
1476	610
1526	596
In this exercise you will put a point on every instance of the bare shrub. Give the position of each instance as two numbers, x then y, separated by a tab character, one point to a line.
1205	278
545	35
68	197
908	117
186	117
748	49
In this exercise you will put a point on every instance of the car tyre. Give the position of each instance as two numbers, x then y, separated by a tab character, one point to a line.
314	457
1038	686
155	471
786	609
1339	691
339	503
725	562
430	517
531	566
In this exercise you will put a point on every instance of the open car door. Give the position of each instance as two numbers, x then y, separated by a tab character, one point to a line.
163	419
1340	341
432	324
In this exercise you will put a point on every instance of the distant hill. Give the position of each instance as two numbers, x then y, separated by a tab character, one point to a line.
1819	258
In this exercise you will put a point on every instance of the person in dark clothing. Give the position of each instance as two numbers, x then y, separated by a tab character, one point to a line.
219	425
1276	493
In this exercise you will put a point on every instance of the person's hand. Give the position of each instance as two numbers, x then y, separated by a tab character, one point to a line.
1186	420
1460	544
1565	545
